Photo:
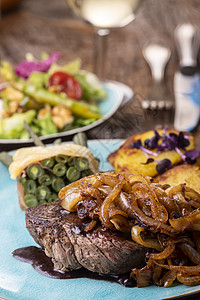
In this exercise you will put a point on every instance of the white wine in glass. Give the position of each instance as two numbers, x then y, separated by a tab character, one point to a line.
104	15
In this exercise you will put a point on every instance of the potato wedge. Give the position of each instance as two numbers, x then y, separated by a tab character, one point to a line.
129	159
189	174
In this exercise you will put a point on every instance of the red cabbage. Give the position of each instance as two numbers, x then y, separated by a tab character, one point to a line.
163	165
25	68
171	141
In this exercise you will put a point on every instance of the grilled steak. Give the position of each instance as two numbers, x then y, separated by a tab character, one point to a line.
62	236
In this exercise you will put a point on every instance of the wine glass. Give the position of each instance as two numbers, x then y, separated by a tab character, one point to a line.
104	15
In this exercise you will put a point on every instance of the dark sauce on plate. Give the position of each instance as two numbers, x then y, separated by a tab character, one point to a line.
43	265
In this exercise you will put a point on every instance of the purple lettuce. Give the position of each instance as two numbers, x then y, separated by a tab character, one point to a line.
25	68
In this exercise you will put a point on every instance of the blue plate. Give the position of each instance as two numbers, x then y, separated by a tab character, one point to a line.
116	94
19	281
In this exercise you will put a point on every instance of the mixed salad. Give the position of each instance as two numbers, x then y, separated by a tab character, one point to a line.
49	97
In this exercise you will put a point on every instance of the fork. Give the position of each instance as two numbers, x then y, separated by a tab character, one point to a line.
157	57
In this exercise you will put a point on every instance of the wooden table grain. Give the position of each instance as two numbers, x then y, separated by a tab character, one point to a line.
41	25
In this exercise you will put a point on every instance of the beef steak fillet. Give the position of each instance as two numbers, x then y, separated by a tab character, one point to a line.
62	236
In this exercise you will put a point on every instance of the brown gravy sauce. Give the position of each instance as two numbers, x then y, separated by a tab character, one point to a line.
43	265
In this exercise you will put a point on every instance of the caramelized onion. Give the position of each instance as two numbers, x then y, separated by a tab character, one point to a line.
150	243
194	203
156	225
164	254
166	220
189	251
124	204
108	179
105	189
164	198
196	236
116	211
120	223
91	225
184	190
188	280
187	270
189	222
157	271
89	189
104	211
157	209
141	192
72	197
168	278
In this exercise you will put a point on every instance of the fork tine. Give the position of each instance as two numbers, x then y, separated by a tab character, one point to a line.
157	57
157	104
154	104
161	104
145	104
169	105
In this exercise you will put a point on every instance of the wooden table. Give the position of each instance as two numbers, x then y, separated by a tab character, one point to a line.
41	25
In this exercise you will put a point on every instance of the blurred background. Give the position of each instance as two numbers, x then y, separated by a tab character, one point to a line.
40	25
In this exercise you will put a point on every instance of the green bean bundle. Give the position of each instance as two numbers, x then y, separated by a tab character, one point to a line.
42	172
42	181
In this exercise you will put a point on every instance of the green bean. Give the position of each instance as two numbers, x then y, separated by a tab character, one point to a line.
57	184
62	159
22	180
73	174
52	197
81	163
42	202
44	180
48	162
59	169
30	186
35	171
85	173
30	200
43	192
71	161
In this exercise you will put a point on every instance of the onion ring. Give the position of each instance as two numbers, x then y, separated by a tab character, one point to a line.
156	225
158	210
189	222
104	210
188	280
151	243
164	254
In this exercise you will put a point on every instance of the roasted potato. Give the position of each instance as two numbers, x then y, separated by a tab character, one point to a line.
129	159
189	174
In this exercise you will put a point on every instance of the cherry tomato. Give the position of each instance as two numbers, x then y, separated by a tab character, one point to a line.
66	83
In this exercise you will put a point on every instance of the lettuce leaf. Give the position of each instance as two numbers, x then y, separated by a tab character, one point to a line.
13	127
46	125
91	85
